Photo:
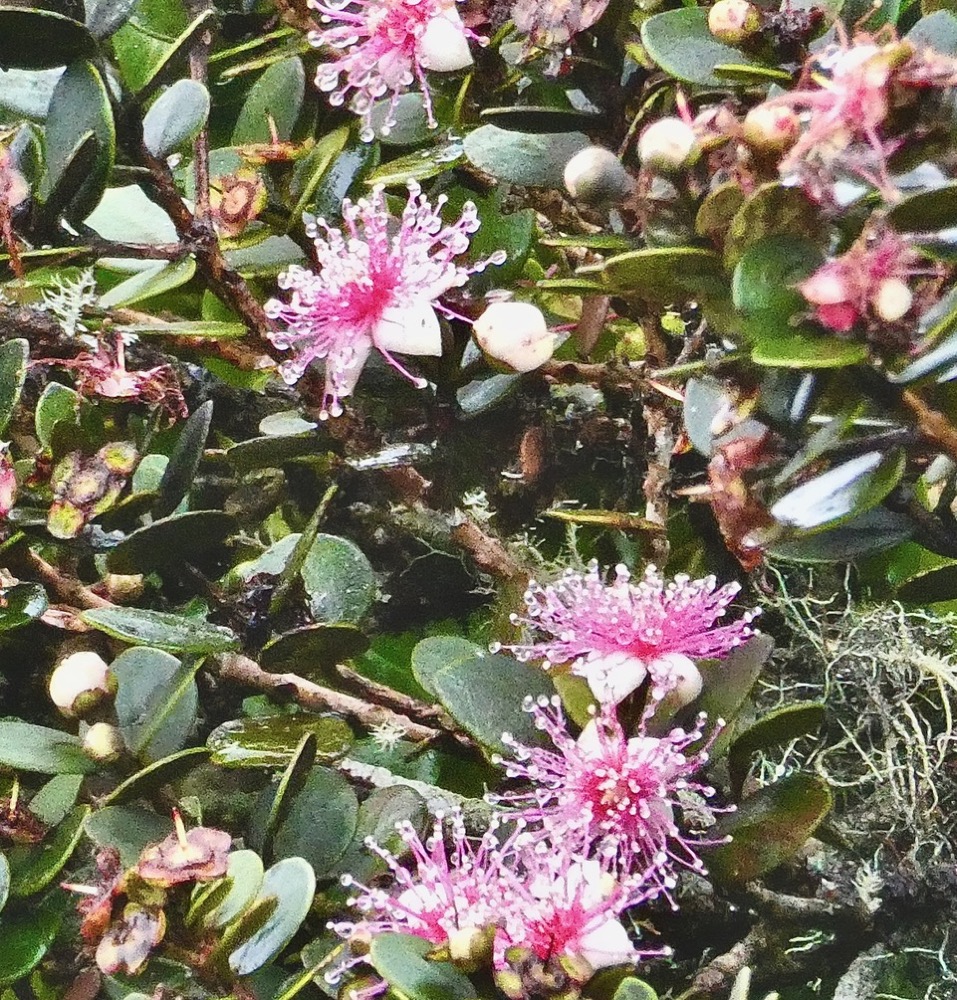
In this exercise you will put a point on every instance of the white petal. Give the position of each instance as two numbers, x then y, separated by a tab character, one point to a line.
514	334
411	330
443	46
612	677
678	675
605	945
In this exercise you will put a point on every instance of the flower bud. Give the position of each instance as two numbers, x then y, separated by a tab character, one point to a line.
733	21
104	743
893	300
515	335
668	146
769	131
80	682
123	588
595	176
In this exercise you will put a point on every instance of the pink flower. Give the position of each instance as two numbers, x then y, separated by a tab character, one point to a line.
549	23
566	909
386	45
867	283
614	635
376	288
614	796
8	481
446	895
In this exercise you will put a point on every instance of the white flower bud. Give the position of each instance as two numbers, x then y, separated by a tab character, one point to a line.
104	743
81	681
443	46
668	146
733	21
514	334
892	300
595	176
771	130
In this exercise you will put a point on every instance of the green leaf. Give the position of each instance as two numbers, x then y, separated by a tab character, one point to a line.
80	105
56	798
772	210
156	278
273	452
401	961
871	532
769	827
319	822
174	633
57	403
422	165
270	742
206	328
777	727
146	56
126	215
339	580
278	95
841	493
765	277
244	876
26	937
313	650
176	117
156	775
665	275
26	747
434	654
40	39
290	785
156	701
14	356
34	867
20	604
164	544
541	119
938	30
103	17
128	829
681	44
4	881
184	462
291	883
631	988
484	695
536	160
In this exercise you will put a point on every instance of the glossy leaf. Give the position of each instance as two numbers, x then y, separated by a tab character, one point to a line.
434	654
103	17
128	829
176	117
31	38
536	159
26	938
665	275
271	741
57	403
312	650
21	604
400	959
163	544
14	355
26	747
278	95
174	633
155	775
338	579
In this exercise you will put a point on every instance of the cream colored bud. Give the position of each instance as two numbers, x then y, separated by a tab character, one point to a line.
668	146
104	743
80	682
515	335
770	130
595	176
733	21
892	300
123	588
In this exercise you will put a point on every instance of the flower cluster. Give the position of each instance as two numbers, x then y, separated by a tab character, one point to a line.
375	288
588	828
866	285
850	92
385	46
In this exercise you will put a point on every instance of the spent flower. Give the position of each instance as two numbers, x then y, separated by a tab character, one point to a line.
550	24
384	46
612	795
375	288
617	634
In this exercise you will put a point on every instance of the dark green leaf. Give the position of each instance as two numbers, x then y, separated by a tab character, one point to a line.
522	157
26	937
401	961
544	119
873	531
14	355
312	650
681	44
290	785
777	727
278	95
127	828
434	654
153	776
769	827
103	17
167	543
338	579
174	633
20	604
271	741
57	403
666	275
26	747
40	39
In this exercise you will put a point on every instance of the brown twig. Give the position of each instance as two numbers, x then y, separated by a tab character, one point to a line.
382	694
198	71
239	669
716	977
609	376
933	424
65	588
661	433
488	553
